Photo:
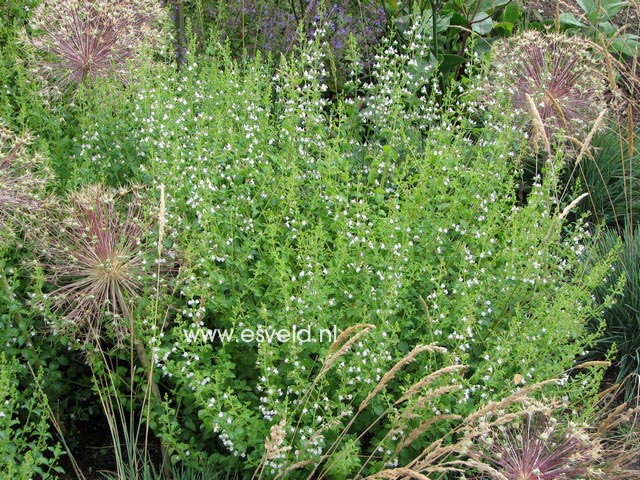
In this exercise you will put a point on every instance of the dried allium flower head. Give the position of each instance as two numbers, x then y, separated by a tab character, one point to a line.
95	256
72	41
537	446
564	79
21	179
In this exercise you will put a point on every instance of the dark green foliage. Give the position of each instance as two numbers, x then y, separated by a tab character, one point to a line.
612	179
622	333
27	448
455	29
602	20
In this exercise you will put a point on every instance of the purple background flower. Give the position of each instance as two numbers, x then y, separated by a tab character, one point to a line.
272	26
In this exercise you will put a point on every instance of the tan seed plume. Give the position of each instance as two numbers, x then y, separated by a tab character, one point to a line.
387	377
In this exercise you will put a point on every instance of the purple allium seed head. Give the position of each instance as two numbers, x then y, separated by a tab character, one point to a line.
72	41
94	254
565	80
537	447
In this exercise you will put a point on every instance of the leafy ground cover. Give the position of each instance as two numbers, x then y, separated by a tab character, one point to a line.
312	240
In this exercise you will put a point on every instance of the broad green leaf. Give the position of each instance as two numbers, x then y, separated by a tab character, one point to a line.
392	7
482	23
613	8
390	152
487	5
608	28
458	19
627	44
511	13
588	6
508	26
449	62
443	22
570	20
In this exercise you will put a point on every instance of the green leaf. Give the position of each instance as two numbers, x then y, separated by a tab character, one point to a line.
613	8
487	5
508	26
378	409
443	22
482	23
449	62
627	44
608	28
391	6
570	20
511	13
390	152
588	6
189	424
458	19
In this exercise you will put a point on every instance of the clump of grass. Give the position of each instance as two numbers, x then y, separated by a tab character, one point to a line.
622	331
96	252
615	427
608	174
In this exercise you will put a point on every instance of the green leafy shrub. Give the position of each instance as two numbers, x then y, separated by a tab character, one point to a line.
28	450
384	225
294	214
22	109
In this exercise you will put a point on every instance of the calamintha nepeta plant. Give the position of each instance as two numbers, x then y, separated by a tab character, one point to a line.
72	41
565	80
95	257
